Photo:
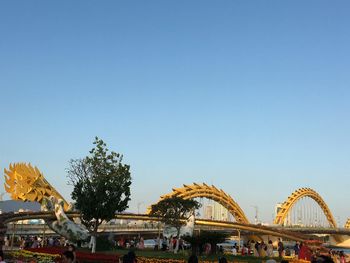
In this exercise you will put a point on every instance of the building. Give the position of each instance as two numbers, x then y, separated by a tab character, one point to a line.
209	212
215	211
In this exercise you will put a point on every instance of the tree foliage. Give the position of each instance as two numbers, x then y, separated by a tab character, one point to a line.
174	211
101	185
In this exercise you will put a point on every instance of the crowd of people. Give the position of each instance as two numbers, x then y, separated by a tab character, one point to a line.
164	244
259	249
34	241
301	250
169	243
256	248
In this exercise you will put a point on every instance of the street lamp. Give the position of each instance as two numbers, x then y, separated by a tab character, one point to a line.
138	207
256	213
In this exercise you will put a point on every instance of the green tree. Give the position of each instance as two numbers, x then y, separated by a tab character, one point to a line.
175	211
101	186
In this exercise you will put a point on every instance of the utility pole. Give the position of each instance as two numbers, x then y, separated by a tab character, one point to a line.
256	214
138	207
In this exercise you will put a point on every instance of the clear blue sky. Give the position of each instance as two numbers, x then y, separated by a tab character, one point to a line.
251	96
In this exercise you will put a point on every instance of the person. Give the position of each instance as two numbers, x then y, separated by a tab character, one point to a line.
71	248
207	248
181	244
22	244
304	252
129	258
245	250
322	258
164	244
67	257
222	260
1	251
35	243
141	243
280	248
262	249
342	257
256	248
2	257
174	242
193	259
51	242
7	242
132	257
170	243
234	250
125	259
269	250
296	248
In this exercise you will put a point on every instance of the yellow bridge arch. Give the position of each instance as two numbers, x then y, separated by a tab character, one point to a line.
298	194
211	192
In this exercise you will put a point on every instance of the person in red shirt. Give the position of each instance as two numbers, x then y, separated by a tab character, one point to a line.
304	252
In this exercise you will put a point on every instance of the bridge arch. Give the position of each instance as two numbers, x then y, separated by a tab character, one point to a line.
295	197
211	192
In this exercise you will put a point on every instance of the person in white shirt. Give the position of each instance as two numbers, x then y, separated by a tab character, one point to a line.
234	251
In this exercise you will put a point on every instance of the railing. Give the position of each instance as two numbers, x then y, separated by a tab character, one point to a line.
33	229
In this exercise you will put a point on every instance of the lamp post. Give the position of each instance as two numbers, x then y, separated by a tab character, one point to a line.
239	240
256	214
138	207
13	235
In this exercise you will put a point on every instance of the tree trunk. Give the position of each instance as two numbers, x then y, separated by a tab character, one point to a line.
92	244
177	246
93	239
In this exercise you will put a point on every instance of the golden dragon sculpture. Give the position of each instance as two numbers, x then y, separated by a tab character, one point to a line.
26	183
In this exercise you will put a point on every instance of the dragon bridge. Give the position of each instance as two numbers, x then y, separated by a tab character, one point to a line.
295	197
26	183
347	224
210	192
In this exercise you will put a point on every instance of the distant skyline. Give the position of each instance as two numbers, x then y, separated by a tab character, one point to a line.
250	96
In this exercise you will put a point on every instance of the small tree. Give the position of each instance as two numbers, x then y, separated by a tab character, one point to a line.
101	186
174	211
